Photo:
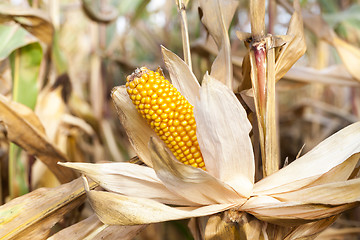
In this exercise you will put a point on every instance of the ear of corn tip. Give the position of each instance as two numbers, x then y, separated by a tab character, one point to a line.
167	112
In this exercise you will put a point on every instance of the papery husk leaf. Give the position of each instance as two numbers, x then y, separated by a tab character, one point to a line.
339	173
310	230
181	76
293	49
129	179
191	183
350	55
226	147
32	216
328	154
331	193
292	213
24	130
33	20
114	208
93	228
336	74
136	127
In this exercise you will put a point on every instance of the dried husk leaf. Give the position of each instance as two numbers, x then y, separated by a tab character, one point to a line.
181	76
25	131
114	208
137	129
331	193
191	183
328	154
127	179
339	173
22	219
310	230
33	20
226	148
292	213
93	228
293	49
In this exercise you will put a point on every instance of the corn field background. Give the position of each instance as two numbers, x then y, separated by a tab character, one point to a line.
60	60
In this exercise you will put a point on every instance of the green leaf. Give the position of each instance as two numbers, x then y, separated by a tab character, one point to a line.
13	37
25	65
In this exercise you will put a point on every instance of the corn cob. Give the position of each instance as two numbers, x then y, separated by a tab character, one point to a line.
167	112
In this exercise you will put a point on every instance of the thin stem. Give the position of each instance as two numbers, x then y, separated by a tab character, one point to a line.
184	33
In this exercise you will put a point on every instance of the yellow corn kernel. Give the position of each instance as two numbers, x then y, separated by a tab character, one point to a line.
170	115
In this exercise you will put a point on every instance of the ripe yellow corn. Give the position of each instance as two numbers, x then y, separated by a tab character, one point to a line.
167	112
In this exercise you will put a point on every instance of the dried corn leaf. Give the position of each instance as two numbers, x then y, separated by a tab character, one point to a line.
33	20
328	154
25	131
191	183
127	179
50	107
350	55
92	228
333	75
293	49
217	18
118	209
181	76
33	215
136	127
223	144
